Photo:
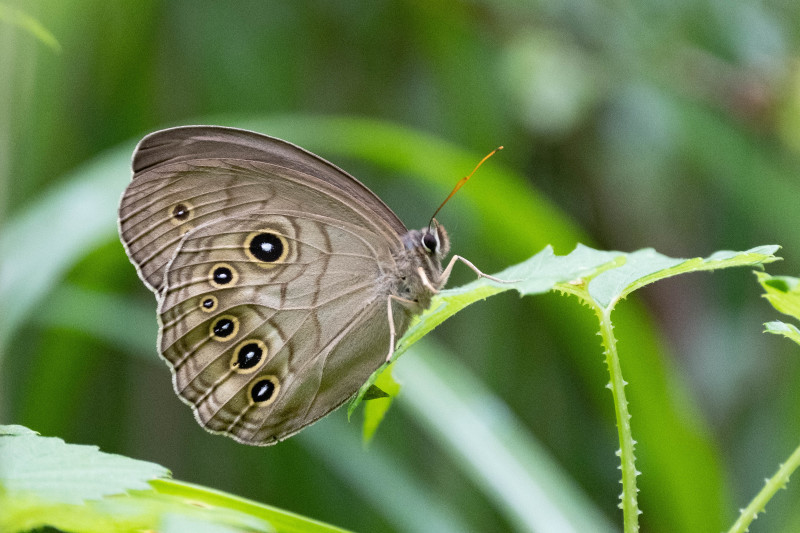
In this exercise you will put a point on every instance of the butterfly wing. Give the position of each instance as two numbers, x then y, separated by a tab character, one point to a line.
308	328
260	345
187	176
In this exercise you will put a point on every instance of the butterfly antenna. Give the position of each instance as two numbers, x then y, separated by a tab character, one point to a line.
461	183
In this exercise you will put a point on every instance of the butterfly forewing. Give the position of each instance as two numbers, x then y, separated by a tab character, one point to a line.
191	143
164	204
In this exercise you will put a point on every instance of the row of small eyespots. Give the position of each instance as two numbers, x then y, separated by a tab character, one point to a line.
265	247
247	357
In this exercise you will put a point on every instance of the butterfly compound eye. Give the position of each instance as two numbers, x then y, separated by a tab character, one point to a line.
430	242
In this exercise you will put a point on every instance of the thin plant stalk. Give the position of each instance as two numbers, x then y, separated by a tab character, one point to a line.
629	497
773	484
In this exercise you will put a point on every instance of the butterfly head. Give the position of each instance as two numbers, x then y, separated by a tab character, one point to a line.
434	240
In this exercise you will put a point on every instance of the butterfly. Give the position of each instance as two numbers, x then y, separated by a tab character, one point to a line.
282	281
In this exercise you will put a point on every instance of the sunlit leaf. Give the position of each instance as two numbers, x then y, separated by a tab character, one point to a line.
647	266
783	292
782	328
176	523
67	473
215	500
46	482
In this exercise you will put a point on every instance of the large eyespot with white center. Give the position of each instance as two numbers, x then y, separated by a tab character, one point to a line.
266	248
430	241
209	303
223	275
263	391
224	328
180	213
248	356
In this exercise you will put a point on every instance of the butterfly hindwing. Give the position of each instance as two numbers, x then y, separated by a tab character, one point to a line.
284	306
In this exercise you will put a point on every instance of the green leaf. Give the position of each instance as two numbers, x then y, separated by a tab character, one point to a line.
376	409
536	275
46	482
177	523
54	471
15	431
19	18
782	328
375	393
609	276
647	266
216	501
783	292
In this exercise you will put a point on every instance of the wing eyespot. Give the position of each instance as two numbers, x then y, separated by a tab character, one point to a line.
223	275
266	247
248	356
209	304
180	213
224	328
263	391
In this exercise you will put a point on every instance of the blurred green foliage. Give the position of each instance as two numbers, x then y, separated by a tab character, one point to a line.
626	125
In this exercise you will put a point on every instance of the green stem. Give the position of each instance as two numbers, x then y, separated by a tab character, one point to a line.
776	482
629	498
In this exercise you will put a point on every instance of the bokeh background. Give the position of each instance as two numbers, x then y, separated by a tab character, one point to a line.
673	125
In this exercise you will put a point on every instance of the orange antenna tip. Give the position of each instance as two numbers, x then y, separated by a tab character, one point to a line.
462	181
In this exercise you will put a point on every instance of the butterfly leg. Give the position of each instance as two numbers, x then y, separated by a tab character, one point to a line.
392	332
446	273
426	282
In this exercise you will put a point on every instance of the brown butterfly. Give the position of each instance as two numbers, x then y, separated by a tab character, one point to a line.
282	281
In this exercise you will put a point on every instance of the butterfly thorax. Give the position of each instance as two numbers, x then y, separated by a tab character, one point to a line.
419	267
